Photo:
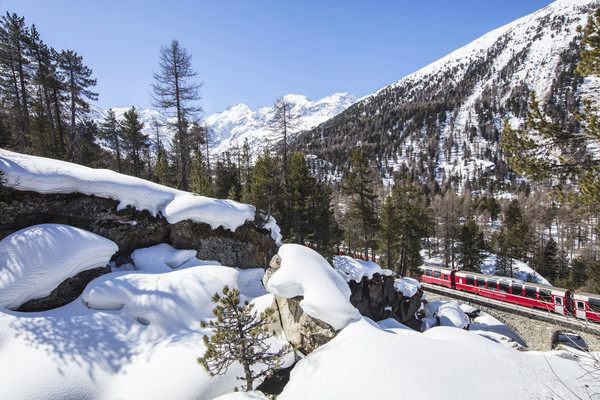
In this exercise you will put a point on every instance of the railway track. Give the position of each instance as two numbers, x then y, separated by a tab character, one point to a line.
541	315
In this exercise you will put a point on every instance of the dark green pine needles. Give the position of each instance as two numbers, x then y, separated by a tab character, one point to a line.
240	335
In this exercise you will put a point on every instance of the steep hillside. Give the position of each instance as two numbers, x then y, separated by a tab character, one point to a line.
444	121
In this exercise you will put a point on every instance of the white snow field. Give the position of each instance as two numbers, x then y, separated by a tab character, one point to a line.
34	260
131	335
45	175
366	362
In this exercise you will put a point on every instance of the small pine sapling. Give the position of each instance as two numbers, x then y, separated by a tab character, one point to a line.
240	335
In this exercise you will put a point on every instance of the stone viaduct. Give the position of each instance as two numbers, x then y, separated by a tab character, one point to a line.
537	328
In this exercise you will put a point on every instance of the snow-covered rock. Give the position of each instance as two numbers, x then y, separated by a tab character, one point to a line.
35	260
44	175
352	269
305	273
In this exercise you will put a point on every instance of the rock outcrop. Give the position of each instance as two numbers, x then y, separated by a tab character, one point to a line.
247	247
377	299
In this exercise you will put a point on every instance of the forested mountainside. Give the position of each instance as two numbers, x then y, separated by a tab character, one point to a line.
443	123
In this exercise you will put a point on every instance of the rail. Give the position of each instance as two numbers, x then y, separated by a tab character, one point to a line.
541	315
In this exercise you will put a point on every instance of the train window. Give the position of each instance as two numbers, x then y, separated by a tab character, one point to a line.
492	285
531	292
546	295
594	305
428	272
504	287
517	290
470	280
437	274
481	282
580	305
558	300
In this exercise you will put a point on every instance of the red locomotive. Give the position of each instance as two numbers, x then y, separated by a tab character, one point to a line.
582	305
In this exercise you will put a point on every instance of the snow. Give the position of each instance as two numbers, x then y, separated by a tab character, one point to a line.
407	286
352	269
449	313
45	175
304	272
363	362
35	260
253	395
130	335
228	129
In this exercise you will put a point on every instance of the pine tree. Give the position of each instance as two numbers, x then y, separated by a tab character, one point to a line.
134	140
78	81
265	185
359	185
111	131
175	92
388	232
15	74
470	247
283	122
199	179
227	179
240	335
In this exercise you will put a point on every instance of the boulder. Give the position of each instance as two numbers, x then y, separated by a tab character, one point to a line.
377	299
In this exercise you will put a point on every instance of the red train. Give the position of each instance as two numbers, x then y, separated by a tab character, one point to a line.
582	305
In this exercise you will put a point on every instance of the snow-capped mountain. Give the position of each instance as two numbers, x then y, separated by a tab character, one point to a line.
445	120
230	128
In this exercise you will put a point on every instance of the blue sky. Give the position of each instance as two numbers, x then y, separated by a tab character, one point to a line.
253	51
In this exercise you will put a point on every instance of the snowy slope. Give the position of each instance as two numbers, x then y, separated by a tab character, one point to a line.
231	127
450	113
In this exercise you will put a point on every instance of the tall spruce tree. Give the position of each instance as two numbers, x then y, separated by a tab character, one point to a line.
265	184
78	81
470	246
134	140
175	91
240	335
111	131
359	185
15	74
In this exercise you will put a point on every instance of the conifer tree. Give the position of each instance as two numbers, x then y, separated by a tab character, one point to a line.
134	140
15	74
199	179
265	187
359	185
111	131
175	92
78	82
388	232
240	335
471	246
283	122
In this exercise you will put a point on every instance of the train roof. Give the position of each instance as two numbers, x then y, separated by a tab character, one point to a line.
436	267
584	294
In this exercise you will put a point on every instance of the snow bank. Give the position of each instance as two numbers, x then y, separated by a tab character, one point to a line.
362	362
45	175
305	273
449	313
138	338
407	286
35	260
353	270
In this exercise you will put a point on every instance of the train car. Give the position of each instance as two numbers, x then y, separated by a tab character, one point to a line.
586	306
437	275
506	289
